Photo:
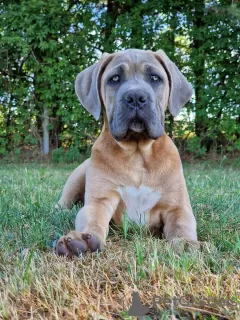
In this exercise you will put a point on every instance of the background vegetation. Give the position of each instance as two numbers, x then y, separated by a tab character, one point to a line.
44	44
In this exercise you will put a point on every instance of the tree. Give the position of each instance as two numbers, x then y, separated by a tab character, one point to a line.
45	44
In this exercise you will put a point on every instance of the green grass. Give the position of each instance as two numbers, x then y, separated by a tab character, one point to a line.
35	284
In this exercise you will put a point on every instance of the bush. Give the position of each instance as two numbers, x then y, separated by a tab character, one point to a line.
67	156
195	147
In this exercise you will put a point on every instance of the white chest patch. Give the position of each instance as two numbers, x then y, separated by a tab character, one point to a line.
138	202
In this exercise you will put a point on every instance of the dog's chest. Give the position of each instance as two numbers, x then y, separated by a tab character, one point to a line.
138	202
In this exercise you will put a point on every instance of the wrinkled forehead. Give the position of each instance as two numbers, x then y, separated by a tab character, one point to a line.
134	61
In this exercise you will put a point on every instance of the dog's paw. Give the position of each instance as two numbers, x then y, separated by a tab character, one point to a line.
77	243
180	245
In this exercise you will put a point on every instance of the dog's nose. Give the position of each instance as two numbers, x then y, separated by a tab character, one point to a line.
136	99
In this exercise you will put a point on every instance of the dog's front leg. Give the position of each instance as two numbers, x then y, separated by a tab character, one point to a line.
74	188
180	228
92	224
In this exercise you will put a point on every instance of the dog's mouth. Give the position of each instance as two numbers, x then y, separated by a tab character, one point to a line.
137	126
136	131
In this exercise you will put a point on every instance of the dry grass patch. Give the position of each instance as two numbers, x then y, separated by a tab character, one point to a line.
35	284
99	286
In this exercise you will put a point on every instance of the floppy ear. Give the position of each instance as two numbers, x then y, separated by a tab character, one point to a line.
180	88
87	87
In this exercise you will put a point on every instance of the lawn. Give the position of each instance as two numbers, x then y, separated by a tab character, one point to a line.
35	284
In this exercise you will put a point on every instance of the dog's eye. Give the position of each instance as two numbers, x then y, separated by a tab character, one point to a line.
114	79
155	78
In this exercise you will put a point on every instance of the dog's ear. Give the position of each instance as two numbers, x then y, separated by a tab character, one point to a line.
87	87
180	88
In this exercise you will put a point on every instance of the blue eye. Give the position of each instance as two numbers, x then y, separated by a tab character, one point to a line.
114	79
155	78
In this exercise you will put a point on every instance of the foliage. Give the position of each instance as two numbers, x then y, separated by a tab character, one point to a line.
67	156
43	45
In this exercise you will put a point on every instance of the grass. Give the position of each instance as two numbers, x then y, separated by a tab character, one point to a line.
35	284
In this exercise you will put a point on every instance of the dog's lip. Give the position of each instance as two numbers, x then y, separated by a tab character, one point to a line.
137	125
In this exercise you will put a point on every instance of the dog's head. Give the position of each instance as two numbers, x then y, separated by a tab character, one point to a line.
135	87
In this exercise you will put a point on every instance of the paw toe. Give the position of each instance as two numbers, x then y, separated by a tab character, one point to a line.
76	246
61	248
92	241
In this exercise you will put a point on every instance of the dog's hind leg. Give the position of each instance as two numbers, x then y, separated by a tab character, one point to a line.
74	189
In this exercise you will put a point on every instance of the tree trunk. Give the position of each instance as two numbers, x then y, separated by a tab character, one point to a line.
171	35
111	18
198	68
45	124
137	41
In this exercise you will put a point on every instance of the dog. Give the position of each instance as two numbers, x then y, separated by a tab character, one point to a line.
134	167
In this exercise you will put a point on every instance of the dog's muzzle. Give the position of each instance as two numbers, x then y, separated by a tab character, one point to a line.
136	101
136	113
